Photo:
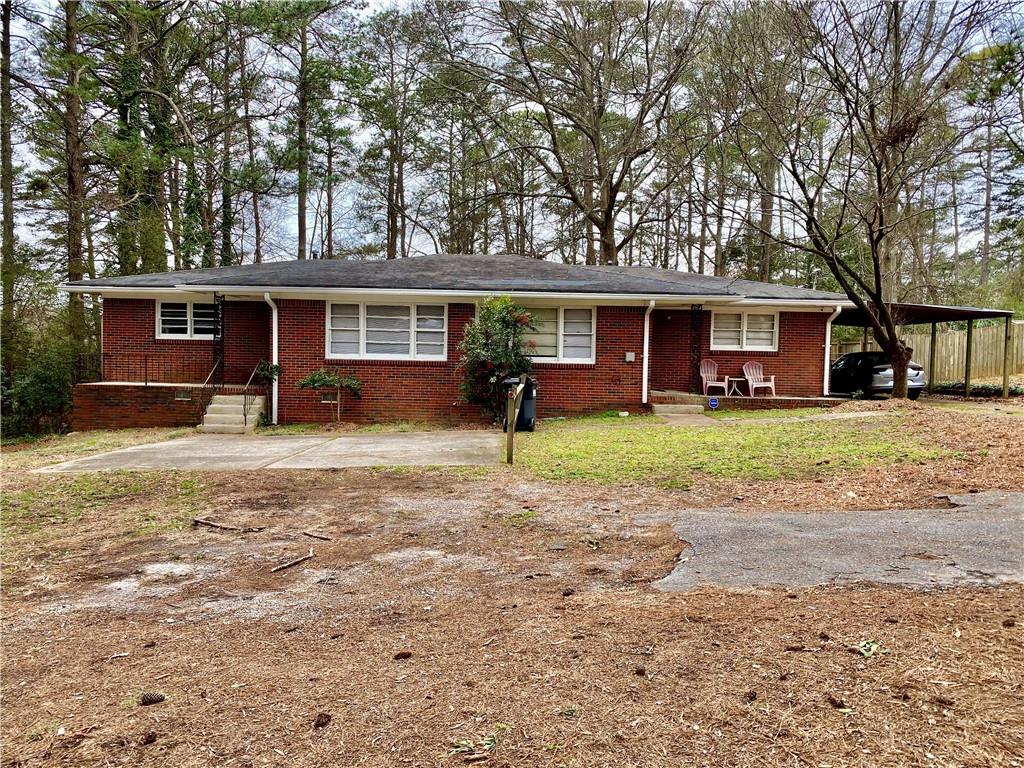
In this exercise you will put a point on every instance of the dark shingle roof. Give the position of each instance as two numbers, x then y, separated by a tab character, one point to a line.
449	272
752	289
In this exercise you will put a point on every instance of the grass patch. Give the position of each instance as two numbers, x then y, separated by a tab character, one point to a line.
32	453
520	519
768	413
291	429
66	498
633	452
346	427
404	426
59	499
606	419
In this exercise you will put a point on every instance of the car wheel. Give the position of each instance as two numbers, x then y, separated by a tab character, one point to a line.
913	394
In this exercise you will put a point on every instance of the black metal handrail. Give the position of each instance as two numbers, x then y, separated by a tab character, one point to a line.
249	395
144	368
210	385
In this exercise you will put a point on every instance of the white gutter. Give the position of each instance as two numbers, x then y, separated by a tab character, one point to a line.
273	354
828	348
647	346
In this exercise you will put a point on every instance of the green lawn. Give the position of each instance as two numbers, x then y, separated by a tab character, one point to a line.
768	413
635	451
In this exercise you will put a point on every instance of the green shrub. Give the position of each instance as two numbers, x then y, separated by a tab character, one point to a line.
267	372
37	397
332	378
493	350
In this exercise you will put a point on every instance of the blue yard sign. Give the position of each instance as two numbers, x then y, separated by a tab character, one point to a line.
712	403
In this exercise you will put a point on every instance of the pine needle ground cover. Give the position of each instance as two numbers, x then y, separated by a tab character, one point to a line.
453	618
638	451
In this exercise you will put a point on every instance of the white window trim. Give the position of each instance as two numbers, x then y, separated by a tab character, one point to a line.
560	335
363	355
188	313
743	346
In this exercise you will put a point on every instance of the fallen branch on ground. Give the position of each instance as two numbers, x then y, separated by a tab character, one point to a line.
296	561
317	536
224	527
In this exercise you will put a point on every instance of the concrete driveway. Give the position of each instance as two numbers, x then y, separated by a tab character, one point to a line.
979	541
219	452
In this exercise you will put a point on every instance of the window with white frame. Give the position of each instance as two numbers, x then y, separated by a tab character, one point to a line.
391	331
561	334
185	320
754	331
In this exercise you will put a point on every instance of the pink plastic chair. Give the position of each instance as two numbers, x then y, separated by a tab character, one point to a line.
754	373
709	376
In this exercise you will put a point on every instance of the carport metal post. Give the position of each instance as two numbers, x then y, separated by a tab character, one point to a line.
1007	338
967	360
931	360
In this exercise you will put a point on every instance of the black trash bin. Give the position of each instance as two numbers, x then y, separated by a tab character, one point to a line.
527	410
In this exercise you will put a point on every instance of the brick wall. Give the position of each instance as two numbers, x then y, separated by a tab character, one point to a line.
117	406
612	383
112	406
131	351
392	389
429	390
798	365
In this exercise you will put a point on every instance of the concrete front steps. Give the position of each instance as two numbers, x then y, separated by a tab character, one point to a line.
226	414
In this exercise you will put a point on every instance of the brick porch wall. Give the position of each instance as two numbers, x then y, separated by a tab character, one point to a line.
118	406
132	352
798	365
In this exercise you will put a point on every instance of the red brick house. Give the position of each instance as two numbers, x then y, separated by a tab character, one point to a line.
606	337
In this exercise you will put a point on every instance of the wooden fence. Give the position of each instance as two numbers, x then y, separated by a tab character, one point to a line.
951	351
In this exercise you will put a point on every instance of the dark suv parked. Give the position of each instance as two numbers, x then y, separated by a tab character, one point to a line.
871	374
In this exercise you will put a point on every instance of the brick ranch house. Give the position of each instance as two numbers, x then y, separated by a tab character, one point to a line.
606	337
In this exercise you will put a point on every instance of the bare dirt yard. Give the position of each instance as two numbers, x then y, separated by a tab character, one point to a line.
488	616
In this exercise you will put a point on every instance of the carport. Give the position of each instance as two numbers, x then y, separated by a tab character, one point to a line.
933	314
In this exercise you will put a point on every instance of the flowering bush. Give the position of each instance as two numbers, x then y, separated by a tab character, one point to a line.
494	349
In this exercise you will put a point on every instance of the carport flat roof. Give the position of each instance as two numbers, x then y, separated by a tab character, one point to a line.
920	314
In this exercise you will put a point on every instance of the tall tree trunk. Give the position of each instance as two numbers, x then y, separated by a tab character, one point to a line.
303	139
227	217
765	245
329	223
75	174
7	268
956	231
588	202
174	189
391	194
250	143
986	235
702	240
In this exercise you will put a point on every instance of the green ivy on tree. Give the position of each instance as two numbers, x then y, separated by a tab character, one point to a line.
493	350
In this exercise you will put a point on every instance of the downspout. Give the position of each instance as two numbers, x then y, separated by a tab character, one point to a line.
273	355
647	345
828	348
